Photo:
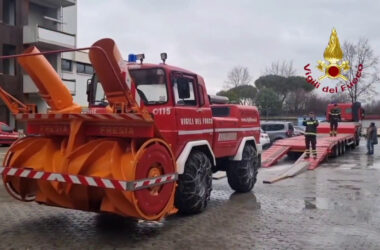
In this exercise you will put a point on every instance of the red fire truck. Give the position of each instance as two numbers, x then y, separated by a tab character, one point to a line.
146	147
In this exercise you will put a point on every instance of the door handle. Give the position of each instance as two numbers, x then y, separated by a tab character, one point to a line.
199	110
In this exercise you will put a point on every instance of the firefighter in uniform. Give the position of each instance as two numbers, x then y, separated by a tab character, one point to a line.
310	135
334	118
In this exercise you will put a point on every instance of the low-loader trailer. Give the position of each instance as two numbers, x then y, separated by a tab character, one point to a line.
348	137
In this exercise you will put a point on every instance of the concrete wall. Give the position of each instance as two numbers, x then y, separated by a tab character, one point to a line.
70	20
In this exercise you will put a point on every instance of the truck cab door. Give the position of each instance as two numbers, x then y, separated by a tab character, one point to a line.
194	119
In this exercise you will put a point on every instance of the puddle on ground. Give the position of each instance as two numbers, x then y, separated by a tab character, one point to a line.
318	203
337	180
349	187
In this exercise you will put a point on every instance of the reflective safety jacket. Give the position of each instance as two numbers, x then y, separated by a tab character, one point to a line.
334	115
311	126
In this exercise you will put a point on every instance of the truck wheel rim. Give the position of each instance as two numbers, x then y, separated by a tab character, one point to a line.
154	160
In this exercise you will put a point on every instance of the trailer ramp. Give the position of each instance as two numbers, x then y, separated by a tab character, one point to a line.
273	154
300	166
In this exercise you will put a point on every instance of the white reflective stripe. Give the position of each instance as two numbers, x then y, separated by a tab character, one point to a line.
12	171
25	173
56	177
204	131
123	184
74	179
236	129
90	181
38	175
138	184
107	183
195	132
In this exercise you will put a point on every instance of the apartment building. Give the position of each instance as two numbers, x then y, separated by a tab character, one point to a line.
49	25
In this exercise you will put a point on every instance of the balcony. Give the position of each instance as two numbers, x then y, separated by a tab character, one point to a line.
47	38
54	3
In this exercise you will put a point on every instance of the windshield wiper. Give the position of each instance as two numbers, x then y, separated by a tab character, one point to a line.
156	102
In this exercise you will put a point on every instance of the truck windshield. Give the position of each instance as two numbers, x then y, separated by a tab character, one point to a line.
151	85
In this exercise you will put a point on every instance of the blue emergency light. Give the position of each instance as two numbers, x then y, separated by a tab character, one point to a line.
135	57
132	58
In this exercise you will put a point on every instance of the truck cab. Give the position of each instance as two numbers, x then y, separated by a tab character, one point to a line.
182	110
187	117
350	112
351	116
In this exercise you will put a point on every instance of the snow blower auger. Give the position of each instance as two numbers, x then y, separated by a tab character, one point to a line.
112	161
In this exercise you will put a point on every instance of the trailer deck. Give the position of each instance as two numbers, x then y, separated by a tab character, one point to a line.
325	146
295	146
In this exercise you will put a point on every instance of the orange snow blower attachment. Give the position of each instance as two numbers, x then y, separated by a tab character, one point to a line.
108	162
50	85
14	105
115	78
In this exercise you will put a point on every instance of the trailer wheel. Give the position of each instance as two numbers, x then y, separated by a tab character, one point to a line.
344	147
340	148
195	184
242	174
357	141
335	151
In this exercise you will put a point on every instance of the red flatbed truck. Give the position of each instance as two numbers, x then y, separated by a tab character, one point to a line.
348	137
146	150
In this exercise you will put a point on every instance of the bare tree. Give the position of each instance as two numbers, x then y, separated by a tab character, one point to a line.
238	76
356	54
372	108
284	68
246	101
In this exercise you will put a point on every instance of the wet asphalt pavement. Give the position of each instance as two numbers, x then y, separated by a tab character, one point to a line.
336	206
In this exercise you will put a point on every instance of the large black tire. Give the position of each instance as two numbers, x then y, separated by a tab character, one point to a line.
242	174
195	184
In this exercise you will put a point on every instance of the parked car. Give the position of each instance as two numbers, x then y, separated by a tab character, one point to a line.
264	139
277	129
299	130
7	134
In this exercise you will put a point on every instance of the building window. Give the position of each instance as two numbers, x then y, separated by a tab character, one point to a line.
9	64
66	65
9	12
85	68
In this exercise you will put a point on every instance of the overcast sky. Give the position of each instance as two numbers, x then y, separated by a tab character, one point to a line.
211	37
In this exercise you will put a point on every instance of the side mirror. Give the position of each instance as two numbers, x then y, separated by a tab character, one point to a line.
91	90
183	88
